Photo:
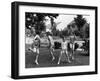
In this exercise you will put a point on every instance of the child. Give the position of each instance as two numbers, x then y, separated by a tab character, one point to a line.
64	50
51	45
72	47
35	47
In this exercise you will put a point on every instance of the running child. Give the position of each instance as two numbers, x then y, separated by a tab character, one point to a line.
35	47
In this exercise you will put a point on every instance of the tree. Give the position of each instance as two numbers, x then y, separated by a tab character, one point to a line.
87	31
53	24
37	20
80	21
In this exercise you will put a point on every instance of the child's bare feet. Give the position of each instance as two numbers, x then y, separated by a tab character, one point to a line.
58	63
69	61
36	62
53	58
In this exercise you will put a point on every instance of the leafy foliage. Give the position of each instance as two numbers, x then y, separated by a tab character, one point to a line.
37	20
80	21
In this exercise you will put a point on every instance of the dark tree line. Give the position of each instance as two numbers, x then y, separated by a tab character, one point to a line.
37	20
80	21
82	28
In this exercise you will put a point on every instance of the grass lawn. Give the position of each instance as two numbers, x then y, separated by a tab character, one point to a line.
45	59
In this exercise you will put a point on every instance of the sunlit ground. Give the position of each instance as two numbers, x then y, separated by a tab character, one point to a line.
45	59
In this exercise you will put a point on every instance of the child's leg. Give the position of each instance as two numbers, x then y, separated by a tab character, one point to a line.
73	52
60	57
31	49
51	52
67	55
72	55
36	60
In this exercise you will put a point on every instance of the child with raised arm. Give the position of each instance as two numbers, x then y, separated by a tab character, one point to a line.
64	50
51	45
